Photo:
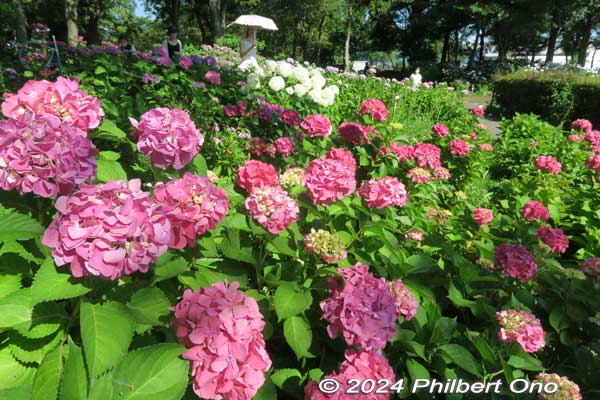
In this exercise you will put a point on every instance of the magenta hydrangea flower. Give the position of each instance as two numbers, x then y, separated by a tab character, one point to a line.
574	138
165	61
343	156
222	330
284	146
581	125
591	266
440	129
593	137
360	308
593	162
427	155
553	238
523	328
356	134
548	164
316	125
482	216
478	111
186	62
62	99
168	137
567	390
193	206
213	77
535	210
44	156
375	108
273	208
383	192
515	261
459	147
291	118
256	174
108	230
403	152
404	299
327	180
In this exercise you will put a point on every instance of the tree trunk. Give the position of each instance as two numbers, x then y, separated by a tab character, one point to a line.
71	18
321	25
95	8
554	30
174	13
532	57
217	16
445	49
21	22
482	45
348	36
585	40
473	49
456	46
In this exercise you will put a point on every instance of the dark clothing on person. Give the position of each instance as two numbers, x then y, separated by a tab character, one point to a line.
173	49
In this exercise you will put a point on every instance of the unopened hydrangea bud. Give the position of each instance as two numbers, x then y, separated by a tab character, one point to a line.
292	177
325	244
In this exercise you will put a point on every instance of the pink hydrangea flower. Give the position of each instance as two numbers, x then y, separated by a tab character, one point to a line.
427	155
108	230
356	134
62	99
440	129
193	206
403	152
593	137
222	330
316	125
581	125
535	210
486	147
478	111
441	173
593	163
329	179
256	174
523	328
375	108
383	192
515	261
482	216
257	146
567	390
419	175
553	238
272	208
548	164
404	299
459	147
168	137
414	234
358	364
574	138
213	77
361	308
473	136
591	266
342	156
285	146
290	117
44	156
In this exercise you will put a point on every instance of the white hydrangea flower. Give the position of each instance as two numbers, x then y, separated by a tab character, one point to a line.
334	89
289	90
318	81
285	69
300	90
301	74
277	83
270	66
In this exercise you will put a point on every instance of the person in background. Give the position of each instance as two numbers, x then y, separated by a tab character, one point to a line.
248	44
124	44
172	44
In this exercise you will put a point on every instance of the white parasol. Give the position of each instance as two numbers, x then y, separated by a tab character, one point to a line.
255	21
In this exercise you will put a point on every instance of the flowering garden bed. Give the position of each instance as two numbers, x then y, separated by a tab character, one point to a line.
186	230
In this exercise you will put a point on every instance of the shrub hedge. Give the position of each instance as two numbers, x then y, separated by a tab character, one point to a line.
557	97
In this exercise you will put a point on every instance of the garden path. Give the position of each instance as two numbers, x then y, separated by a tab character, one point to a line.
489	120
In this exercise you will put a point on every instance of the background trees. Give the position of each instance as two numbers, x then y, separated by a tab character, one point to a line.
335	31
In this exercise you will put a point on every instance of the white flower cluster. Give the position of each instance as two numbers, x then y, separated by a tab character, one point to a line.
296	79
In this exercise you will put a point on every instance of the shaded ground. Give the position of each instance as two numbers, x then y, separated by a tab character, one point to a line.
489	120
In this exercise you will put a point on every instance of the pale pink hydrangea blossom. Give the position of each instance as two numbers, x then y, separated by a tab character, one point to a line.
273	208
523	328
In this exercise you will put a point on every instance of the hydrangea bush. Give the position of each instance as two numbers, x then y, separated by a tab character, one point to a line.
171	230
